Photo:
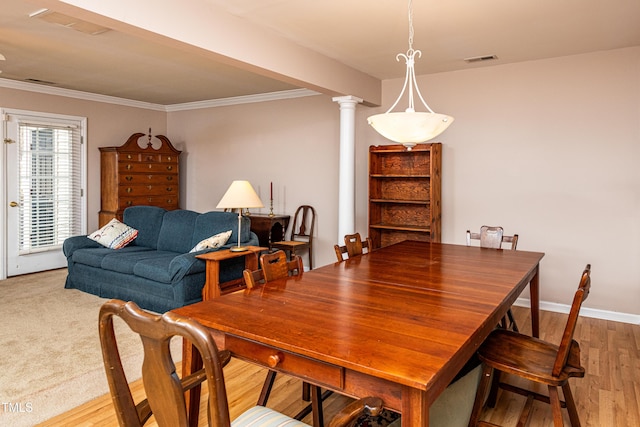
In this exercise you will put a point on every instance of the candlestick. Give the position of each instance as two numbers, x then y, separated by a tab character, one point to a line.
271	191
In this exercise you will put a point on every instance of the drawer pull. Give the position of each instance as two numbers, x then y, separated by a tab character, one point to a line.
169	168
129	167
273	360
128	177
149	158
149	187
169	158
169	189
150	166
170	201
129	189
129	156
169	178
129	203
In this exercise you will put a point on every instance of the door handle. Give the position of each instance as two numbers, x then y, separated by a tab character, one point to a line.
13	204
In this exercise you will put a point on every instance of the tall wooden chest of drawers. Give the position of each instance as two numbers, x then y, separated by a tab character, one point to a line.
131	175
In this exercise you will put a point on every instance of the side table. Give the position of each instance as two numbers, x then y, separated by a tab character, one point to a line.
268	228
212	287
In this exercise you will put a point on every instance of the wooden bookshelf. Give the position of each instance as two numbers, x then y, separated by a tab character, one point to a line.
404	193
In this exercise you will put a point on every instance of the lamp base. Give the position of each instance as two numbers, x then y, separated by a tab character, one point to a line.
239	249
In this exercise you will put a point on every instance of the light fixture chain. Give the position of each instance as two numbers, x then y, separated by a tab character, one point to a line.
410	27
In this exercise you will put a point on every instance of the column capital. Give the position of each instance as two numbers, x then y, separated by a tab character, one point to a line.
347	99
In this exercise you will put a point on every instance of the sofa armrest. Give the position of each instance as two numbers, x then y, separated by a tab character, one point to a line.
71	244
185	264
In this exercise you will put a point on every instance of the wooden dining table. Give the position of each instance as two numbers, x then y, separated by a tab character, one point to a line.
398	323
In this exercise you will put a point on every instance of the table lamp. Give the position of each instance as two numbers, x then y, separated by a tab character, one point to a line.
240	195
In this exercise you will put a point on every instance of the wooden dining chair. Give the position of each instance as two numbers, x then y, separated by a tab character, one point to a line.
353	246
301	237
493	237
165	390
535	360
274	266
277	267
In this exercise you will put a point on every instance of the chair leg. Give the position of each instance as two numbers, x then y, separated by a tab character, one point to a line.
556	408
495	385
480	394
514	326
306	392
266	388
571	405
316	406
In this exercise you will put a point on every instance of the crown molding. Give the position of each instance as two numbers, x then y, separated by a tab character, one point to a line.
88	96
236	100
70	93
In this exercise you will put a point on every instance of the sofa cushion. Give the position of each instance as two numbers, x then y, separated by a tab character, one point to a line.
95	256
156	268
176	232
125	263
114	235
147	220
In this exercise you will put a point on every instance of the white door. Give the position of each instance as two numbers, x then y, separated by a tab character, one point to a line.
44	158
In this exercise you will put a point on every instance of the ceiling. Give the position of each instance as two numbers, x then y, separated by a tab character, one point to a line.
365	35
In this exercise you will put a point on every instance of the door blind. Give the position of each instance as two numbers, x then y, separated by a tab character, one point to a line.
50	185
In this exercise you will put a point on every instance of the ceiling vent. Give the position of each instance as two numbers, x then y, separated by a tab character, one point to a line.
69	22
480	58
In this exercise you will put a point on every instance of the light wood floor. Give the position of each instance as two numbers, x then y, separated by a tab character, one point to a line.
607	396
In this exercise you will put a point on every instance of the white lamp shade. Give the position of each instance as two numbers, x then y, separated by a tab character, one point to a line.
240	194
410	127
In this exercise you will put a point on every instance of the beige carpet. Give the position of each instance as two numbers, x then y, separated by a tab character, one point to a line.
50	351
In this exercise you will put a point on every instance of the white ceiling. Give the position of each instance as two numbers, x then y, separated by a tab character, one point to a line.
363	34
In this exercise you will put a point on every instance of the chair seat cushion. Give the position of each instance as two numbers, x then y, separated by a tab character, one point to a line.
259	416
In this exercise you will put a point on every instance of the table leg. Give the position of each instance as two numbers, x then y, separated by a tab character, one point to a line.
415	409
534	290
211	287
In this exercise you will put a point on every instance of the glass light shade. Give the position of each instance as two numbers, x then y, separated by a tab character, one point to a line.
409	128
240	194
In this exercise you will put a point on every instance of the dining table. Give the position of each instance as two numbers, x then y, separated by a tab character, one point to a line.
398	323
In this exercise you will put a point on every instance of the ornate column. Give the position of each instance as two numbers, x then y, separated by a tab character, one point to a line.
347	178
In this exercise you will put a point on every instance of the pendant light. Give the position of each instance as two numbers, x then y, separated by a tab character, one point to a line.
410	127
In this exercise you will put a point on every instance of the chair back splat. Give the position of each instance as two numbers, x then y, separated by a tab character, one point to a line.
534	360
493	237
353	246
164	390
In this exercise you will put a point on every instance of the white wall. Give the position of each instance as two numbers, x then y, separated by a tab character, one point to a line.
292	143
550	150
547	149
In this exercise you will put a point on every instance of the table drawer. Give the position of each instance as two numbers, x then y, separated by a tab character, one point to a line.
300	366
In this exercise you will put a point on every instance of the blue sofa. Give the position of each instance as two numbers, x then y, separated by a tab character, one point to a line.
156	270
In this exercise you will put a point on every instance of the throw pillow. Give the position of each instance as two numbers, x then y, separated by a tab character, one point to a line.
114	235
212	242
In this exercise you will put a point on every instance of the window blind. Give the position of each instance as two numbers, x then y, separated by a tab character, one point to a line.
50	184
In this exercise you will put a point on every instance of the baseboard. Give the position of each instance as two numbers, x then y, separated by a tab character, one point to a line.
615	316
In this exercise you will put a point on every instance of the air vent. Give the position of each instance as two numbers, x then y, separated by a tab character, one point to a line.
69	22
480	58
